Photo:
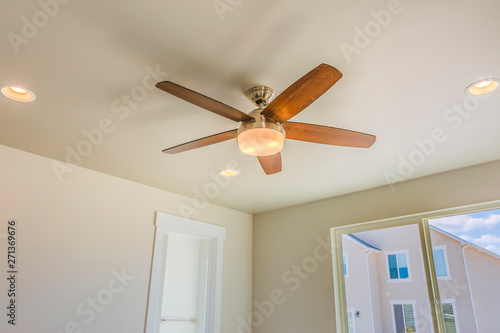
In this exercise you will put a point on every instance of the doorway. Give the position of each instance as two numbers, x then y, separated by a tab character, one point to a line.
186	276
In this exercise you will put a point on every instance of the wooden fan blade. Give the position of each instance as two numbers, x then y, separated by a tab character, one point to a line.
302	93
203	101
327	135
206	141
271	164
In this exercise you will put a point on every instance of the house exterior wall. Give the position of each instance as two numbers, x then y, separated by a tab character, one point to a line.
483	272
375	282
413	289
484	283
457	288
357	279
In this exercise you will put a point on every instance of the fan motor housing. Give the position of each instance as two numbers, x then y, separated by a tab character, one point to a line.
260	95
260	122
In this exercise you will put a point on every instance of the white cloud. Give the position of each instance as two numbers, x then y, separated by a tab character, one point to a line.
465	223
487	239
492	248
466	237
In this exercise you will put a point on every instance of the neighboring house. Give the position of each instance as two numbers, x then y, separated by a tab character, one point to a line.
387	292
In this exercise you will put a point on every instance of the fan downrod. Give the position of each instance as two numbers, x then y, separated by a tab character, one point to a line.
260	95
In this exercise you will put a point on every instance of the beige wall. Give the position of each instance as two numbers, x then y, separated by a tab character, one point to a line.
72	236
285	238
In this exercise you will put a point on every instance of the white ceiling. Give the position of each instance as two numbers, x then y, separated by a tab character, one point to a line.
398	87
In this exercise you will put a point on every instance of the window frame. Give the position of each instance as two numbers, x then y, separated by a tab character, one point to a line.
421	219
396	252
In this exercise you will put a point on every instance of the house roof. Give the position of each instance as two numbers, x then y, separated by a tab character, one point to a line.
466	244
365	245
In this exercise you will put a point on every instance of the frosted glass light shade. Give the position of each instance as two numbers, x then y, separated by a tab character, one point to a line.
261	141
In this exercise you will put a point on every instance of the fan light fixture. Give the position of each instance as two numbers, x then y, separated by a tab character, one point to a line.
262	137
17	93
262	131
261	141
482	87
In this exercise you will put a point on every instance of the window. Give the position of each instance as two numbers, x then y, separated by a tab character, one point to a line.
346	269
398	266
441	262
450	323
449	243
404	318
350	320
449	317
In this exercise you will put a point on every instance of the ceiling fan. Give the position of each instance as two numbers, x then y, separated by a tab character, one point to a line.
262	131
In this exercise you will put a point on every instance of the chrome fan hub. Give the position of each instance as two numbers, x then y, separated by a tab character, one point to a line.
260	95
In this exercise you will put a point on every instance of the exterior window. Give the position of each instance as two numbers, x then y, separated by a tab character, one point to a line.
450	324
350	321
404	318
397	264
346	269
441	262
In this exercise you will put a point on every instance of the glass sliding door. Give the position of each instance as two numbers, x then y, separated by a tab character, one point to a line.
467	262
433	272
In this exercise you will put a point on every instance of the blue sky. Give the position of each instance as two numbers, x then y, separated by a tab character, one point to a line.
482	228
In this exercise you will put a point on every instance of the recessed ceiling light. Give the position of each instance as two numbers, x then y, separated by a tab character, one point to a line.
17	93
482	87
229	173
